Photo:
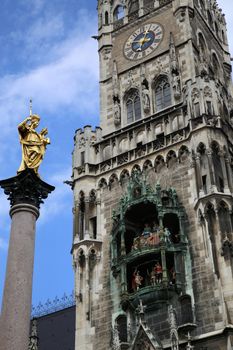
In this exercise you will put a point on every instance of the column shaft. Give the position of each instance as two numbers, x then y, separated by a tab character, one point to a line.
17	298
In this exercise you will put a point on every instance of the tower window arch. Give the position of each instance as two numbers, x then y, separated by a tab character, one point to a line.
133	106
162	94
106	18
210	20
119	13
216	66
202	47
133	6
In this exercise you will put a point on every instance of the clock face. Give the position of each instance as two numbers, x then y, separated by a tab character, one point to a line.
143	41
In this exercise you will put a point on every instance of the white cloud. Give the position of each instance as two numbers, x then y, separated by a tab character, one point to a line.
67	82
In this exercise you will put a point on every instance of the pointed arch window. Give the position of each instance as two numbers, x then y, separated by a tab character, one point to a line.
133	6
119	13
133	107
162	94
106	19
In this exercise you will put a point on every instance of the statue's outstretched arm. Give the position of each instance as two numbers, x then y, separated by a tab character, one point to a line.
24	122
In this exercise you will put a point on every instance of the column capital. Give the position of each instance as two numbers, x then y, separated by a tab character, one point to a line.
26	188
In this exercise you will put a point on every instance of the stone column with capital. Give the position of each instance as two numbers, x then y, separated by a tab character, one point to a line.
26	193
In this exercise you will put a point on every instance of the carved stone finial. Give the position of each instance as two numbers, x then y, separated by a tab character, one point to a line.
33	339
173	329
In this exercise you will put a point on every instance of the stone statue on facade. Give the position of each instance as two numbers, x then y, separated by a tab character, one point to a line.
117	113
145	99
176	86
33	143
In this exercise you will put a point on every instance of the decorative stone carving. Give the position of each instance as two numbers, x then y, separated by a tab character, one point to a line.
107	54
26	188
227	247
117	112
145	99
208	92
33	339
115	80
173	329
173	58
195	94
115	338
176	86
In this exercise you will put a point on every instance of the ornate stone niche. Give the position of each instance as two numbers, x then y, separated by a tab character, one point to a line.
148	243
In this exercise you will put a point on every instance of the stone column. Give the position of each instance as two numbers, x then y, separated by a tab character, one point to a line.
194	176
213	187
224	172
87	209
76	224
198	174
229	173
98	217
26	192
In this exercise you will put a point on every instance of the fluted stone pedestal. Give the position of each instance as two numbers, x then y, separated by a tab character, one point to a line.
26	192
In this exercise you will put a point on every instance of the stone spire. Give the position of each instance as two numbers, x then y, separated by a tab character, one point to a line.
33	339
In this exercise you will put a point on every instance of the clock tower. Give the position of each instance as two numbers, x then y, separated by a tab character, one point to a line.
153	237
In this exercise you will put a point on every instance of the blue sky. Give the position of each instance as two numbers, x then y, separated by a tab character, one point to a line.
47	54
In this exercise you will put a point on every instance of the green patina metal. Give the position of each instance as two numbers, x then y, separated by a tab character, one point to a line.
166	202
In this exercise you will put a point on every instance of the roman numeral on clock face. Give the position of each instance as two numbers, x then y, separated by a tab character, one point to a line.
143	41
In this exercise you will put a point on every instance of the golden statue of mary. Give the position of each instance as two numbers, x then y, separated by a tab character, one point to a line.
33	143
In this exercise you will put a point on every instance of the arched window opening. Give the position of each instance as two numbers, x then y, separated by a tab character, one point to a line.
212	228
106	19
186	310
171	222
81	215
210	20
183	153
142	220
201	149
223	37
124	177
119	13
209	108
81	258
121	322
216	66
224	219
225	111
133	6
162	94
202	47
107	152
171	159
217	167
133	106
159	163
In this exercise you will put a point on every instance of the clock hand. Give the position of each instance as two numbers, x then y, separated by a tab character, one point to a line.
144	38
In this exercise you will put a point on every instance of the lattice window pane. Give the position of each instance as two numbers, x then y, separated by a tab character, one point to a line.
129	111
163	95
137	108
